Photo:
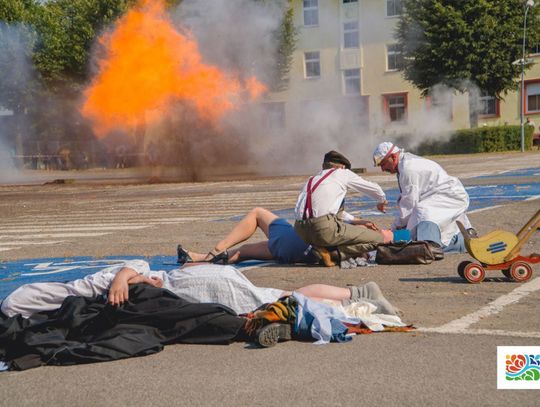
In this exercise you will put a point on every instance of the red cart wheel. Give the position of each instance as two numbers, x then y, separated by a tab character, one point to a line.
474	273
462	266
520	271
507	274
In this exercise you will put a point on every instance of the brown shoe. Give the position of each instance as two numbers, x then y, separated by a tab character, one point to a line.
325	256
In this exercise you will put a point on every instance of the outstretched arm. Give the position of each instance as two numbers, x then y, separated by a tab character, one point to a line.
371	189
408	200
366	223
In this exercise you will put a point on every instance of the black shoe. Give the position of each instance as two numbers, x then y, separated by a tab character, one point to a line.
271	334
183	255
218	258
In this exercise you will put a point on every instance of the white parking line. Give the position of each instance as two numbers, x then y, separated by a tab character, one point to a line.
49	235
108	222
461	325
67	229
32	243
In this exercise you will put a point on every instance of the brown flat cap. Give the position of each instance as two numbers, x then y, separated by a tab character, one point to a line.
337	158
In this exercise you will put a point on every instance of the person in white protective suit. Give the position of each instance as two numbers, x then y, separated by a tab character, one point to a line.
430	201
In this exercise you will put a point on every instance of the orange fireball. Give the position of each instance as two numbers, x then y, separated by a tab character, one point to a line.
149	65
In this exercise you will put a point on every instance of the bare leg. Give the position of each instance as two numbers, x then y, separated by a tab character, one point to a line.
323	291
256	218
252	251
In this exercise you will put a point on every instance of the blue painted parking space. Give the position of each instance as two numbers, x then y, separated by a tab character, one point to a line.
16	273
527	172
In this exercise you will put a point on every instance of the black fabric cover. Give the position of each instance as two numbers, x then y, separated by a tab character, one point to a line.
86	330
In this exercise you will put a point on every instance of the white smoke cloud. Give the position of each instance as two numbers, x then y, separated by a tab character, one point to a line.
234	34
16	79
240	34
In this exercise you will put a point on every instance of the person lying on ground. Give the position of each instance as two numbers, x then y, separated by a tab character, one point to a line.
320	217
430	200
200	283
283	244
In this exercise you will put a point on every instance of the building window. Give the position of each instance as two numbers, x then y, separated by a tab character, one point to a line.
311	12
395	107
489	105
349	1
394	8
532	93
394	58
350	35
351	79
312	64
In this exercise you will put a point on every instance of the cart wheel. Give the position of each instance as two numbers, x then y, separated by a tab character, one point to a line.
520	271
474	273
507	274
461	267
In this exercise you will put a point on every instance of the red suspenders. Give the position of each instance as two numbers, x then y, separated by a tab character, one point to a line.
308	210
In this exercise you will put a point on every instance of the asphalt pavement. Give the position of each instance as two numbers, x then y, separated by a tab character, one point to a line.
449	360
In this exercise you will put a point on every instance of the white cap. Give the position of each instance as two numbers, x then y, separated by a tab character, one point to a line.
383	150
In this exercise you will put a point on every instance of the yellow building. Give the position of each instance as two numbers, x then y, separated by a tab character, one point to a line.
346	58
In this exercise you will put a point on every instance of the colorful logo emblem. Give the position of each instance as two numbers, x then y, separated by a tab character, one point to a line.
522	367
518	367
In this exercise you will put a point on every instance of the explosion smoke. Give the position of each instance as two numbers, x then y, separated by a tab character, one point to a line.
150	65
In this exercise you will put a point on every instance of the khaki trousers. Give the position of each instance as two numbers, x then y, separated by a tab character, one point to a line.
328	230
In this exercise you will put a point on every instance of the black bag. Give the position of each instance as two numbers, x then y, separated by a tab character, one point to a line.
413	252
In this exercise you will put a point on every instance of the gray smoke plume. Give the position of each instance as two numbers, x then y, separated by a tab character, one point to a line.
16	84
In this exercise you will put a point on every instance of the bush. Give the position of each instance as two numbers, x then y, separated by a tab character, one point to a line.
479	140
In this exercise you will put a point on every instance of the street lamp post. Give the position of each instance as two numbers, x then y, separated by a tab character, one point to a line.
528	4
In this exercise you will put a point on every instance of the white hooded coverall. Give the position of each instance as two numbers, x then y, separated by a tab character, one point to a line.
428	193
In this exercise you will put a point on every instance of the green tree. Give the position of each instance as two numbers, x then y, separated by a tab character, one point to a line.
67	30
286	38
16	11
465	45
45	49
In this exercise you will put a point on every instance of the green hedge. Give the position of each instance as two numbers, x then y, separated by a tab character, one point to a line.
479	140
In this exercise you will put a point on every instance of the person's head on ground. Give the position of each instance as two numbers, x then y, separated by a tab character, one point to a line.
333	159
386	155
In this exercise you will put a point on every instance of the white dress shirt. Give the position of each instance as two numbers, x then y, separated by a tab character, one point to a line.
329	195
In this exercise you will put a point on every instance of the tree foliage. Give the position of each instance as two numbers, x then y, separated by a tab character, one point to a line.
286	38
67	30
464	43
58	36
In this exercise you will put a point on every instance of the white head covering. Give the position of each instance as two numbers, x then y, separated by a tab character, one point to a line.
383	150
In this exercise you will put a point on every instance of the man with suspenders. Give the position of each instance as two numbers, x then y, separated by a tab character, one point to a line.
321	220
